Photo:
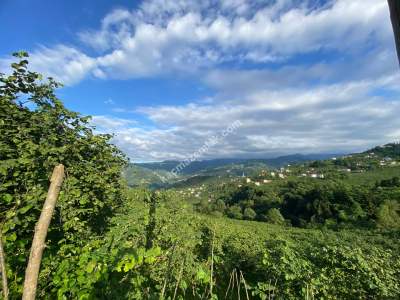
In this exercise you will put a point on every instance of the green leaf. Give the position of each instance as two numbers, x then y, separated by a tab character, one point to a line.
25	209
12	237
91	265
7	198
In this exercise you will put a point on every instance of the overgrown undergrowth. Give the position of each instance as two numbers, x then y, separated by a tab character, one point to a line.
200	257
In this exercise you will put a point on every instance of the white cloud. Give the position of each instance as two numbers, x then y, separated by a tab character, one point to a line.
323	106
334	101
191	36
115	27
109	101
184	36
335	117
66	64
107	124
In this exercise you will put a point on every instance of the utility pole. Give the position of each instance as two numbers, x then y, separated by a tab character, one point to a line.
394	6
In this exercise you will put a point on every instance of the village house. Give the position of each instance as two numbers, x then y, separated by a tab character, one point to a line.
314	175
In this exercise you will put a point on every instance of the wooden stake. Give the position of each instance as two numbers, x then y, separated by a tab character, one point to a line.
245	285
212	264
3	268
39	238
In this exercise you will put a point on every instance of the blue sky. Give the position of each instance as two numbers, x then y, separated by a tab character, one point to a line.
165	76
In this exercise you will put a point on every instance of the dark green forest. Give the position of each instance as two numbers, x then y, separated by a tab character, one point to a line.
334	236
311	203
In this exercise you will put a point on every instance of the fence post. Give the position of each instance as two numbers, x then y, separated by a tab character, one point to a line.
3	268
39	238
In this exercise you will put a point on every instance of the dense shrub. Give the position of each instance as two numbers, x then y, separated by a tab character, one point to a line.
36	133
274	216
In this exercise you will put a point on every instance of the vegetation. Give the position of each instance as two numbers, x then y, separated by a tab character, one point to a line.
337	199
157	174
137	176
36	133
295	237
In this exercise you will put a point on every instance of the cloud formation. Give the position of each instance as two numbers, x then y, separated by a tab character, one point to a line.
300	76
338	117
184	36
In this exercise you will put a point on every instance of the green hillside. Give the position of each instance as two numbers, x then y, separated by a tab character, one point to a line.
137	176
389	150
353	191
322	229
158	174
370	178
201	254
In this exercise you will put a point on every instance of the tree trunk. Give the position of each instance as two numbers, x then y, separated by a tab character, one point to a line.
3	268
394	6
39	238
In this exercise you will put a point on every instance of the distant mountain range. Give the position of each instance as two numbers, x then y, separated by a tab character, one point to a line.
154	173
203	165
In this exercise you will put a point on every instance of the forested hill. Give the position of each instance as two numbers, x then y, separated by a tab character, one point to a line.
155	174
389	150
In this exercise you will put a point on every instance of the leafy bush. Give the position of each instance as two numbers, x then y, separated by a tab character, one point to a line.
36	133
388	215
235	212
274	216
329	272
249	214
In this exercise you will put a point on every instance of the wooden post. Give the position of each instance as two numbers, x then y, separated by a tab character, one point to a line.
3	268
39	238
394	6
